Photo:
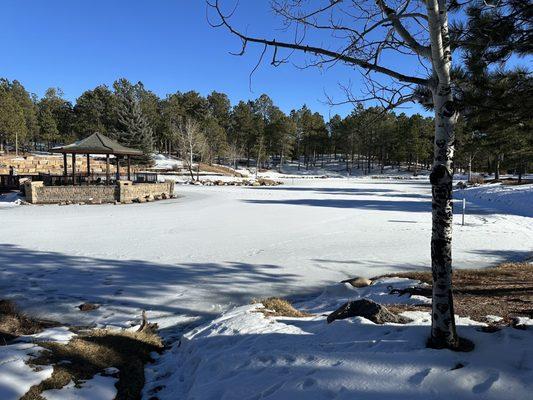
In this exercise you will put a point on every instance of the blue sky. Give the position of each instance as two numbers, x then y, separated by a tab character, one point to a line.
166	44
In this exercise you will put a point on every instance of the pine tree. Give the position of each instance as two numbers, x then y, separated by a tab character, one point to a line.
134	130
12	122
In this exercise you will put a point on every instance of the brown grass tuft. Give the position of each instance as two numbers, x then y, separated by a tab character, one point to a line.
92	352
276	307
13	323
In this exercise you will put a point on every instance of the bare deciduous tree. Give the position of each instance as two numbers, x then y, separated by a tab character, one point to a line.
234	152
190	141
370	35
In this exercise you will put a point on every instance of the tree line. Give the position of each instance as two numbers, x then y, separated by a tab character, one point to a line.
257	131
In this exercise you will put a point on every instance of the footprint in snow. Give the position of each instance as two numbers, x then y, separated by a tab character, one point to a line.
419	377
487	383
308	383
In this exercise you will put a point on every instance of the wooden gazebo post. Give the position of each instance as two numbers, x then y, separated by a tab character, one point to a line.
107	169
73	169
88	169
65	172
129	168
117	176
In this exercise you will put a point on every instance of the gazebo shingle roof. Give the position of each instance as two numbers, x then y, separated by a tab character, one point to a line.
96	144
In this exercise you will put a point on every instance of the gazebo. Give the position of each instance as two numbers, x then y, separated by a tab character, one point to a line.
96	144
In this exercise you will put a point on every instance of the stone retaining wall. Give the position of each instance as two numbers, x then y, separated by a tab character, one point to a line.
129	192
125	192
51	164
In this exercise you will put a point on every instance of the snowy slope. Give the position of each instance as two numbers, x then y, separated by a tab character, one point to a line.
244	355
512	199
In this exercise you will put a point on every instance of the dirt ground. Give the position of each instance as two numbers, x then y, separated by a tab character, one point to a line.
505	291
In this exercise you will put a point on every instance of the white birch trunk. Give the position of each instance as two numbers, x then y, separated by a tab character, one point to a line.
443	331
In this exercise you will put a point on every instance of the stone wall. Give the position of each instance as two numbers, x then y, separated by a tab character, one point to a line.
50	164
144	191
37	193
125	192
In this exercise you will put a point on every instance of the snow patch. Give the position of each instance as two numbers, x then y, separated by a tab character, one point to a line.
98	388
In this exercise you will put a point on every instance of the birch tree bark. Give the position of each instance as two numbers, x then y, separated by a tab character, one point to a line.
443	331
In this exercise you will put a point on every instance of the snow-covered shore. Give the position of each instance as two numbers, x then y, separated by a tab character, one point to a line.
245	355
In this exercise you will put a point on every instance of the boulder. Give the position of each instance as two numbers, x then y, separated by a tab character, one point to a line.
88	307
368	309
358	281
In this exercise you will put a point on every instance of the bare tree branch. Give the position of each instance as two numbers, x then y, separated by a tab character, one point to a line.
315	50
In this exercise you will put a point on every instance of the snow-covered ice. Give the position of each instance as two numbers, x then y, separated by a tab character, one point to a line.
188	259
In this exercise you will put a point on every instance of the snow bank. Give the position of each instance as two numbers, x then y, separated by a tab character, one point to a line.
515	199
164	162
244	355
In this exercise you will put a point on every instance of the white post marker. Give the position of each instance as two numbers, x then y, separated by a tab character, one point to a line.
464	208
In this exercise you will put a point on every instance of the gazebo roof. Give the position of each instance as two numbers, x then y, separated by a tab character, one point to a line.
96	144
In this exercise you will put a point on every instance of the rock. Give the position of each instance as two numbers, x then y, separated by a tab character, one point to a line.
358	281
367	309
256	184
88	307
460	185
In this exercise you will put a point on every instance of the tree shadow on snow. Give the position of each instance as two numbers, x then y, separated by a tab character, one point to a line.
379	204
39	277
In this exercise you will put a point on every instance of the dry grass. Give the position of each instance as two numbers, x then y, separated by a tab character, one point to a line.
477	179
13	323
505	291
277	307
91	353
219	169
